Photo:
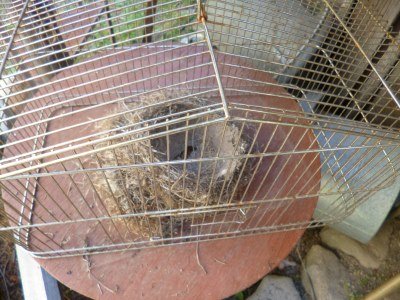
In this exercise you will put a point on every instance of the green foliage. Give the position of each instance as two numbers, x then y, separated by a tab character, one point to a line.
239	296
126	22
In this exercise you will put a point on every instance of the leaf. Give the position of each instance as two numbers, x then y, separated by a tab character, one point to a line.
239	296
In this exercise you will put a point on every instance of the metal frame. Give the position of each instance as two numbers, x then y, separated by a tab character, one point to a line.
311	55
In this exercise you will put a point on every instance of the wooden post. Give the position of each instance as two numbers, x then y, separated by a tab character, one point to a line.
149	21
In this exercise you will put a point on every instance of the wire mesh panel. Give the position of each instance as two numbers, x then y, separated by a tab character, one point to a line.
335	58
130	124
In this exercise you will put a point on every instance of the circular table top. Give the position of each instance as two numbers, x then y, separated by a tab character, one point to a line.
230	266
207	270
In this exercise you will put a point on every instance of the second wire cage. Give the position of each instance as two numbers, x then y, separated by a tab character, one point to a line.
145	123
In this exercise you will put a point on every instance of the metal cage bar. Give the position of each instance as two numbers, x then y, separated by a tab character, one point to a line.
148	123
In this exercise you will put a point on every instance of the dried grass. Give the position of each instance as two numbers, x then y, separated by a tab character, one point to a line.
163	187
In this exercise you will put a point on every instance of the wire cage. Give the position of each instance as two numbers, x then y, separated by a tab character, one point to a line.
142	123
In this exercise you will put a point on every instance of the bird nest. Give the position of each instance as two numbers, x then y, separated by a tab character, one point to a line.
171	166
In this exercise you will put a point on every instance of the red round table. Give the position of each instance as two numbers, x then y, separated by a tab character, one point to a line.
230	265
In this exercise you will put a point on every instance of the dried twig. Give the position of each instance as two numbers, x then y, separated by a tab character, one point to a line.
220	261
89	266
5	284
99	287
198	258
305	270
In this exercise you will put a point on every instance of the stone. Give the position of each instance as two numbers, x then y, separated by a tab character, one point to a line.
323	276
368	255
193	38
274	287
286	264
